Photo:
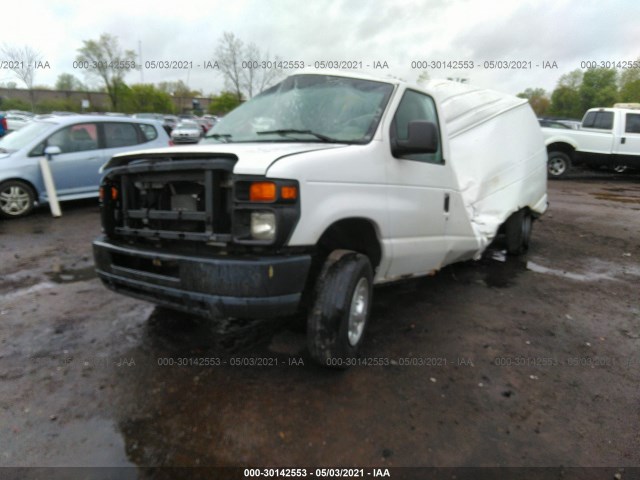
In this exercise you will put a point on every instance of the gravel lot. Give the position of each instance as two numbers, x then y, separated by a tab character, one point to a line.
501	362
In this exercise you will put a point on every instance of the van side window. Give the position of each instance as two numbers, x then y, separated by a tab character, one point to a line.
632	123
415	106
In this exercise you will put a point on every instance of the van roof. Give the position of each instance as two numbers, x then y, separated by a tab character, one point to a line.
465	106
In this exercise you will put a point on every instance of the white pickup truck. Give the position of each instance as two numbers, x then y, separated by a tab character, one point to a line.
307	195
607	137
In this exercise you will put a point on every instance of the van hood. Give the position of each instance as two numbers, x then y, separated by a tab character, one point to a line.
252	158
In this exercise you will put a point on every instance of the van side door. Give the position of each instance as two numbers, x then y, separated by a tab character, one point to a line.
419	187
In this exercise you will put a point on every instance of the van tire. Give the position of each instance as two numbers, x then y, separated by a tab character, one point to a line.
518	232
337	321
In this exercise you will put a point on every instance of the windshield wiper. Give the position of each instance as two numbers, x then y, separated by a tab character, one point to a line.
286	131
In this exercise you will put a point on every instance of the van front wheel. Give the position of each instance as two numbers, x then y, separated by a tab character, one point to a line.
340	313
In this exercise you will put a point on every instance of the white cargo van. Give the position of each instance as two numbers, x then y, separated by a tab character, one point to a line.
310	193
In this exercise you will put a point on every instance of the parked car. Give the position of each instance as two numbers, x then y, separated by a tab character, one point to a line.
22	113
212	118
16	122
573	124
170	122
544	122
3	125
205	124
77	147
149	116
186	132
357	181
158	117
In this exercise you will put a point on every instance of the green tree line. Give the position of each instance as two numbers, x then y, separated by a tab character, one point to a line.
111	64
578	91
135	98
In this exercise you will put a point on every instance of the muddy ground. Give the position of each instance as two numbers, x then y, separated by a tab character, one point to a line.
518	362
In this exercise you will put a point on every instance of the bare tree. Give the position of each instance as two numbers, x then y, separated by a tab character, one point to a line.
107	61
247	71
256	80
229	54
22	61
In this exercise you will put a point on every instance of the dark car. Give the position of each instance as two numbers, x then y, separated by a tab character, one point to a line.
545	122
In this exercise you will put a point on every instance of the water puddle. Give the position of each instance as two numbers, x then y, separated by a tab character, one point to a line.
29	290
501	270
69	276
78	442
618	194
617	198
581	277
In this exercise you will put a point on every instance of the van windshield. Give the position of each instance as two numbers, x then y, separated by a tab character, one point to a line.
23	137
307	108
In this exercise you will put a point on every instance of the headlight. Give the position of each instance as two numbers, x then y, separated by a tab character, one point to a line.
263	225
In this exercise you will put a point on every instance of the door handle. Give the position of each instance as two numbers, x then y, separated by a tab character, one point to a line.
446	203
623	140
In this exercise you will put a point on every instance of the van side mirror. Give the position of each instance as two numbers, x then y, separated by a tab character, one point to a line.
52	150
423	138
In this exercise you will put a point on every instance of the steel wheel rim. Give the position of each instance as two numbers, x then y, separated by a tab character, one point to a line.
358	311
14	200
556	166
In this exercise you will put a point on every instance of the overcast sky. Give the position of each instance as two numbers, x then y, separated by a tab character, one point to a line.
566	32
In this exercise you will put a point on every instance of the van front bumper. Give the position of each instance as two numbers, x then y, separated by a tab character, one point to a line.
217	286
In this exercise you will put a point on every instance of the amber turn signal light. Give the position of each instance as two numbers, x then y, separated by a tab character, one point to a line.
114	193
262	192
289	193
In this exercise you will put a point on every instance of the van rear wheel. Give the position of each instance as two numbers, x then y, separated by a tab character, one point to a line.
340	313
518	232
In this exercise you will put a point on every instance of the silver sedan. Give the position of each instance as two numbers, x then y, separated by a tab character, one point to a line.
186	132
